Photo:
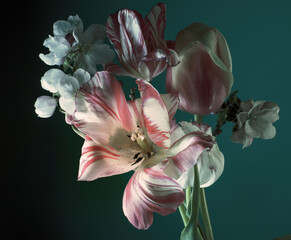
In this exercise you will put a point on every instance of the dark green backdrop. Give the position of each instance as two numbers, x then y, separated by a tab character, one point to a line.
42	198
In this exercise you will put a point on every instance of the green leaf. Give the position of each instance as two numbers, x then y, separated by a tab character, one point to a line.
191	231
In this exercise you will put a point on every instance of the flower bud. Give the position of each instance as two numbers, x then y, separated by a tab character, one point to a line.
45	106
204	77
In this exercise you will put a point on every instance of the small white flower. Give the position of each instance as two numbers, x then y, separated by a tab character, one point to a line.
56	81
255	121
45	106
50	80
86	49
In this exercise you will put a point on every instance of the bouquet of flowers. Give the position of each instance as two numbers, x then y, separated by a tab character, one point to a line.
172	162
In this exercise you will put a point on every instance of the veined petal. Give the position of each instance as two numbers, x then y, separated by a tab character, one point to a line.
124	30
153	64
185	152
150	190
155	114
156	20
119	71
201	78
101	104
171	101
101	161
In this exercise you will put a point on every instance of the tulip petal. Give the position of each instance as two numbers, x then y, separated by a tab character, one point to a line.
101	161
119	71
210	166
155	114
156	20
202	80
185	152
101	104
150	190
124	30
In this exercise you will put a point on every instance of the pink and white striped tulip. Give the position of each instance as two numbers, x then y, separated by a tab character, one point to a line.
122	136
203	79
140	43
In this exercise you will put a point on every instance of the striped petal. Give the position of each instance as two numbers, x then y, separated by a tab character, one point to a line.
156	20
150	190
101	161
155	114
186	151
101	108
124	30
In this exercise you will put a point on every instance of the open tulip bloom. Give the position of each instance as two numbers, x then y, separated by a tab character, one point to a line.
171	163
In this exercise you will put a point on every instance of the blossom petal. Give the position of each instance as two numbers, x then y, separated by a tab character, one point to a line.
240	136
95	33
45	106
155	114
101	104
101	161
50	80
150	190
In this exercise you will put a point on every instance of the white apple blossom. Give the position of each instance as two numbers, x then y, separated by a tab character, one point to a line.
255	121
45	106
70	45
64	86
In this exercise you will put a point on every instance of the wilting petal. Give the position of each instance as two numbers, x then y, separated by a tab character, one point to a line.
201	79
155	114
101	161
150	190
101	104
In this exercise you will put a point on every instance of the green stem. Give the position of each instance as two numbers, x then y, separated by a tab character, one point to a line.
188	195
205	215
198	118
196	202
183	210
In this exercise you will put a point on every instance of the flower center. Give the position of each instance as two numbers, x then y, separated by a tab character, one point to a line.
140	138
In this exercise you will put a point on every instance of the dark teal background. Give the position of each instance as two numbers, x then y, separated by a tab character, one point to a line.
42	198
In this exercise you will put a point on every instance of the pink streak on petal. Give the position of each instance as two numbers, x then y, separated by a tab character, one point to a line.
150	190
188	148
100	161
155	114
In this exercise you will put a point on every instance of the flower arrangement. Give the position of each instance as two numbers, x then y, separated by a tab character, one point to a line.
172	162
